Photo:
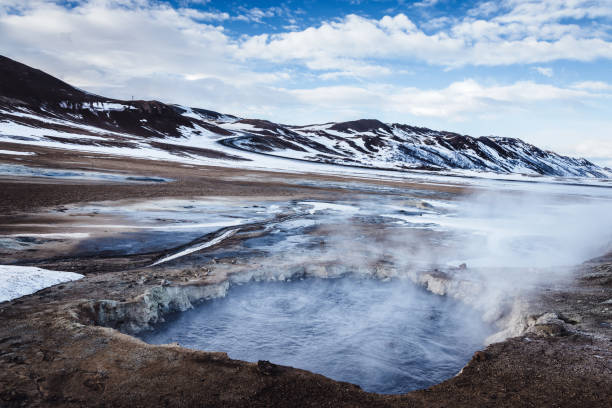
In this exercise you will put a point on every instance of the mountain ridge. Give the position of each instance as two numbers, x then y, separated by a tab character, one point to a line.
33	99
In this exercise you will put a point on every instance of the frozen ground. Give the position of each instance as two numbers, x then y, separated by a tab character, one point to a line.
501	237
493	231
322	227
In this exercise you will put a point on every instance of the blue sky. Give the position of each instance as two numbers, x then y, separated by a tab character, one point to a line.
538	70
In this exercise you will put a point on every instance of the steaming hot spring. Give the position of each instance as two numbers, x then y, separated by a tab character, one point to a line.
386	336
410	327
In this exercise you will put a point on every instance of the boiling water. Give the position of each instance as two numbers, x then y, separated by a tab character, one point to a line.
387	337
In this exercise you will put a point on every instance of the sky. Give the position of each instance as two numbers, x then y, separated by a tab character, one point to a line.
537	70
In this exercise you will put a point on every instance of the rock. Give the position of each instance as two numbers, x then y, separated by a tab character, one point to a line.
13	396
547	325
547	330
267	368
94	384
480	356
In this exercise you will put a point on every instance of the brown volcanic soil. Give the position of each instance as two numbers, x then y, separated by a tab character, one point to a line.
52	353
28	194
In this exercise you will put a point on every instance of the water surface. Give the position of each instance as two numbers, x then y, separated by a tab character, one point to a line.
387	337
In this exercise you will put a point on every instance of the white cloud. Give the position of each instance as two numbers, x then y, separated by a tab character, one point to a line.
119	34
484	9
185	3
597	150
437	23
593	86
426	3
528	33
455	101
204	15
542	11
257	15
115	41
548	72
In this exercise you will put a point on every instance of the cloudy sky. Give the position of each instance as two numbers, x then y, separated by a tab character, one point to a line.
538	70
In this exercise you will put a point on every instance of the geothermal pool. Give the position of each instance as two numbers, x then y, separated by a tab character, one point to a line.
386	336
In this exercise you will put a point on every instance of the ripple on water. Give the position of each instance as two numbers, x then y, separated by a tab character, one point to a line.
388	337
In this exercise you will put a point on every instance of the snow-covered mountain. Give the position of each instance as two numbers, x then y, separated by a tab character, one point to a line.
36	108
371	143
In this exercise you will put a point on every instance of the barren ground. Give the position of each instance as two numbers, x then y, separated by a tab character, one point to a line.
54	350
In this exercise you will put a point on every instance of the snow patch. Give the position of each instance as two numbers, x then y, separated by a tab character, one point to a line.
59	235
198	247
27	171
18	281
14	153
320	206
